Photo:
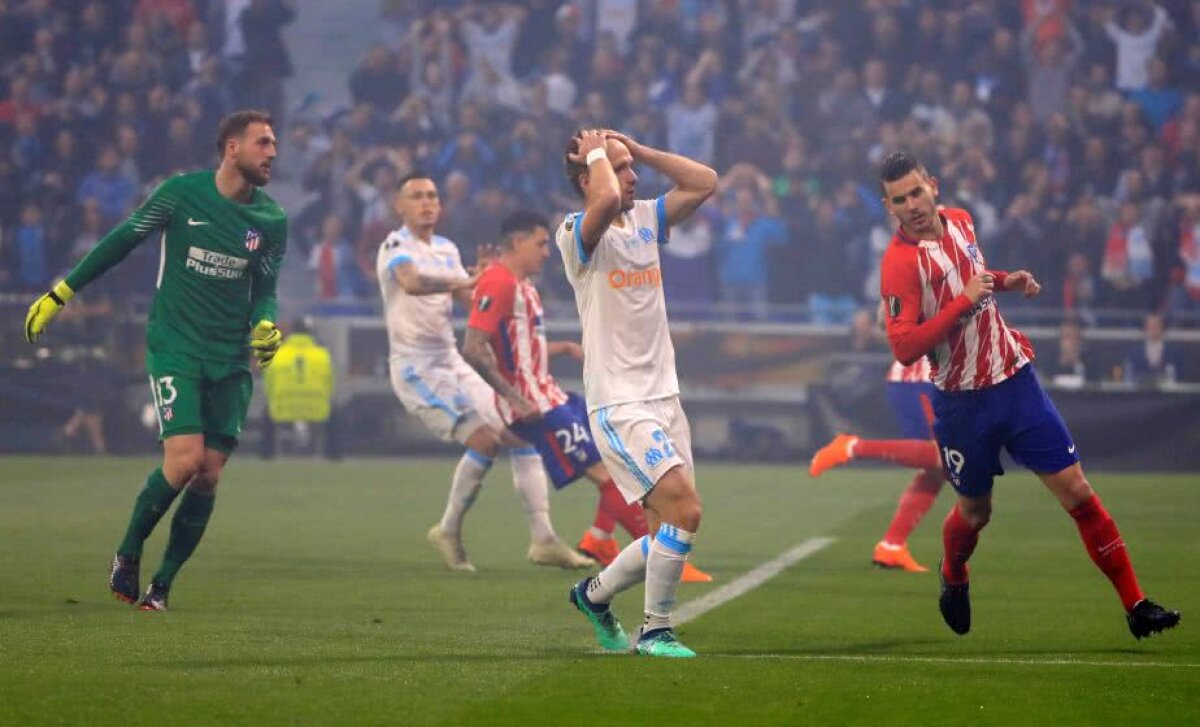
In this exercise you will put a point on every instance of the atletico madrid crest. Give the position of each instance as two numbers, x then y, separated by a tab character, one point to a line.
253	239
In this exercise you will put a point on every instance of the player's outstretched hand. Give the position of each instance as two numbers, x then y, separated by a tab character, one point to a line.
44	309
979	287
265	340
1024	282
589	140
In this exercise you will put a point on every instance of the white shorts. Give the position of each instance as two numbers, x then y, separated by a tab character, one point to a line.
446	394
641	441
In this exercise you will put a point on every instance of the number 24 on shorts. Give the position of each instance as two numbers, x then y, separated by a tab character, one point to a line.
570	439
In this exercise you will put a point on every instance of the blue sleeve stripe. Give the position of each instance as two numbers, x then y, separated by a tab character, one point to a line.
398	260
660	211
615	442
645	541
583	256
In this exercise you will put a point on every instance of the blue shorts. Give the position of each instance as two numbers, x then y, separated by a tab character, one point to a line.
1016	414
905	397
563	439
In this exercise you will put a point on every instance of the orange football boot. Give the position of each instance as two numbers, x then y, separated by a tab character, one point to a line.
836	453
603	551
692	574
896	556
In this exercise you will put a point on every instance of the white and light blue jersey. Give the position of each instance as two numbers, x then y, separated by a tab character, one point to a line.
628	353
418	325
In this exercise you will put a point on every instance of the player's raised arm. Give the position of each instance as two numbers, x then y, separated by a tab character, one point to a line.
694	182
595	177
112	249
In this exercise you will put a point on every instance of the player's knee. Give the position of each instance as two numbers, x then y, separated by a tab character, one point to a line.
484	441
184	465
977	515
205	482
677	502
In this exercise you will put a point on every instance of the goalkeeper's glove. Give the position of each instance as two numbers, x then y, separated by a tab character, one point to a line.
45	308
264	341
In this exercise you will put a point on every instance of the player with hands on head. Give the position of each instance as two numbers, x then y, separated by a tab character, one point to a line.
506	343
222	246
610	251
940	303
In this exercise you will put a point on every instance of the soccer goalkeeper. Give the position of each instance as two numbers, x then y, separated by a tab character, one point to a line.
223	241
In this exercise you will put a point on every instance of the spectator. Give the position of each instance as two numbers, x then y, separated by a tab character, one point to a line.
692	125
1050	62
266	61
32	250
1128	259
1157	100
687	263
111	189
1135	34
749	227
1070	368
1153	361
378	82
333	260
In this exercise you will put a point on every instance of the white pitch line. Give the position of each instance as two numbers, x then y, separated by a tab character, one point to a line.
748	581
883	658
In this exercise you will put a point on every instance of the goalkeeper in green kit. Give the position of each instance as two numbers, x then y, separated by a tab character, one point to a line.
222	244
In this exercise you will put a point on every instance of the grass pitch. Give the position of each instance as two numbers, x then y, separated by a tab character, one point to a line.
315	600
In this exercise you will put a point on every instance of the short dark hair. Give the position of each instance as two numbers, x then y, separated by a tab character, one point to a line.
414	174
574	169
234	124
896	165
522	220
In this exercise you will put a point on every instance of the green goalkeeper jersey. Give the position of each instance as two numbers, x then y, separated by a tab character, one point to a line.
219	261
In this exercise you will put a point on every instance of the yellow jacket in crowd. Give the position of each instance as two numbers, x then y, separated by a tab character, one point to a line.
299	383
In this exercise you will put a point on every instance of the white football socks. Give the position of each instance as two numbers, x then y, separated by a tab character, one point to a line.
464	488
664	567
533	487
626	570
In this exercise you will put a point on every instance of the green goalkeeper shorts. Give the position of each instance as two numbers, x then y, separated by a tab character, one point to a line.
196	396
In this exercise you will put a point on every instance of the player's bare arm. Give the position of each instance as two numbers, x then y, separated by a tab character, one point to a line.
477	352
415	282
601	191
565	348
694	182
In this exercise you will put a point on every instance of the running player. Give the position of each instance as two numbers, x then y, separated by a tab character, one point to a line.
506	343
610	251
420	276
909	392
222	244
939	297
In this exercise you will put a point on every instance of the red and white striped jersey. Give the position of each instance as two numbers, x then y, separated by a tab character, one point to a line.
917	372
922	278
509	310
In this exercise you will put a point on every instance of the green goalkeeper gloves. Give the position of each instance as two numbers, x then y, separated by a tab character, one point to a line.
45	308
264	342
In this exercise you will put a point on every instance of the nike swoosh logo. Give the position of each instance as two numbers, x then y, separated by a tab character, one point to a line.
195	223
1071	449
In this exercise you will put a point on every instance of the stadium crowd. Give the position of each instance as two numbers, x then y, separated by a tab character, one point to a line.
99	101
1070	130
